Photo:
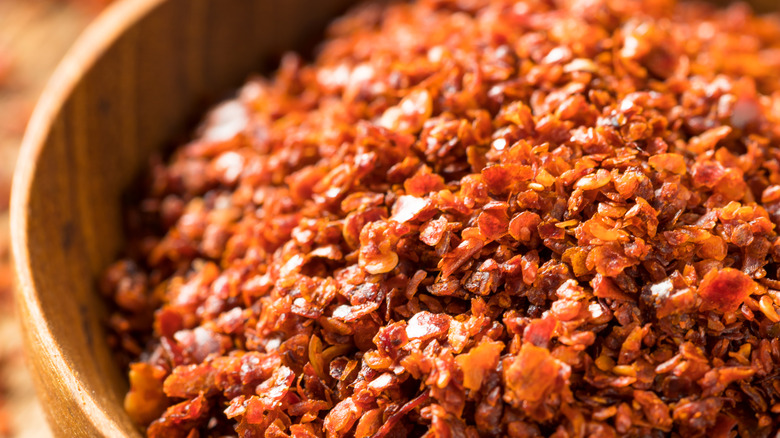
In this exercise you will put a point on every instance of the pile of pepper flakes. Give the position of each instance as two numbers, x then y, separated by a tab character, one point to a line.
472	218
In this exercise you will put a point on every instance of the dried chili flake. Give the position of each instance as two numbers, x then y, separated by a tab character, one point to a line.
478	363
408	208
472	218
341	418
725	290
533	376
146	400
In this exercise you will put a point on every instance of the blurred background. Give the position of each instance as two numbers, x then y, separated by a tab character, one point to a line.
34	36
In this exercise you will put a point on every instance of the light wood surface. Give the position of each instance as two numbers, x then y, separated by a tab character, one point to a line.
135	79
34	36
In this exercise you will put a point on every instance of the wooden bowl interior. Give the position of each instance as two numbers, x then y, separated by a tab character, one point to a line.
134	81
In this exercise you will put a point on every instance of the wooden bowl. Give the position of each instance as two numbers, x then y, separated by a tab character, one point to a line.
136	78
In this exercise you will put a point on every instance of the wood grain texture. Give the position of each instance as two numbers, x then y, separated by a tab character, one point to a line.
136	78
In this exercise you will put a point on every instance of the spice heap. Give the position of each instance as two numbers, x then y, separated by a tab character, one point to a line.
472	218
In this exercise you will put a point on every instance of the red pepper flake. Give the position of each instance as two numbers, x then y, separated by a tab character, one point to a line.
533	375
493	221
408	208
460	255
674	163
725	290
422	184
146	400
478	363
341	418
426	325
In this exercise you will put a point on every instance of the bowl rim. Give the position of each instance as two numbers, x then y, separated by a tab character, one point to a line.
98	37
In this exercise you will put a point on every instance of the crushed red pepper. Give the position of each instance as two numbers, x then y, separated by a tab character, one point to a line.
472	218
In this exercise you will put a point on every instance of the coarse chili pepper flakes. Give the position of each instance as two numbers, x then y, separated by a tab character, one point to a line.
472	218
